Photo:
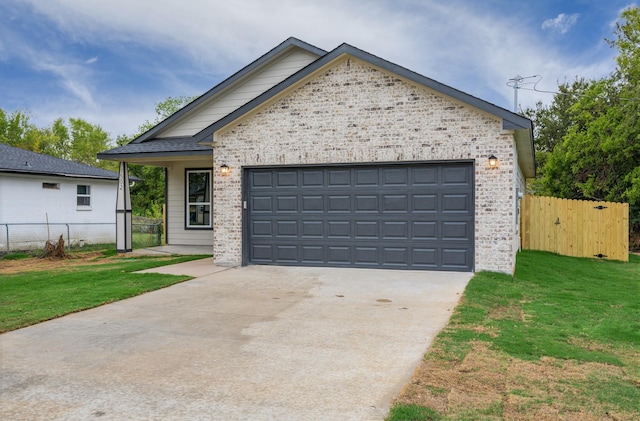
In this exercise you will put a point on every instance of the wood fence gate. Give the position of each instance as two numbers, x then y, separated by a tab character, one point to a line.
579	228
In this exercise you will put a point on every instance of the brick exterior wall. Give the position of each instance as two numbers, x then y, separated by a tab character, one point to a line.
352	112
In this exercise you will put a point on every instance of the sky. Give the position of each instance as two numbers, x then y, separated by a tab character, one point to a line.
111	62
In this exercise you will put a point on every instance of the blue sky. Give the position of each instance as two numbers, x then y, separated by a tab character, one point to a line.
111	61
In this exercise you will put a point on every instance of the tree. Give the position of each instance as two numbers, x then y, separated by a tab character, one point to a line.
79	141
592	131
147	196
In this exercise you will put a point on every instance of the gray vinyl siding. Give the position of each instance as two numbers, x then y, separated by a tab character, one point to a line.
177	234
229	101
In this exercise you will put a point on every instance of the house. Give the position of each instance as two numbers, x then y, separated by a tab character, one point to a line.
77	200
341	158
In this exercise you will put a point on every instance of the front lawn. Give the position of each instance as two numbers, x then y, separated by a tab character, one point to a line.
559	340
32	296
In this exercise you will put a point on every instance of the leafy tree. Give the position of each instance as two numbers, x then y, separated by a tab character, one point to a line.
147	196
591	131
79	141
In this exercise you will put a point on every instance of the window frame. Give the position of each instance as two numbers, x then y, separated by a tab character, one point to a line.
187	203
86	195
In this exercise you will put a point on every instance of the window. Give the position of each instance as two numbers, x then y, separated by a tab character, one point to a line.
198	190
51	186
84	195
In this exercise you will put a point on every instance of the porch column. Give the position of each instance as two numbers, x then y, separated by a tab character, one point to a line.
123	211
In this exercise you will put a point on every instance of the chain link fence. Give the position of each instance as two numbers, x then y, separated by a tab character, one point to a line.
33	236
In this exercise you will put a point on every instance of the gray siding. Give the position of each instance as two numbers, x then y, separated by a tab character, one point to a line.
240	95
176	233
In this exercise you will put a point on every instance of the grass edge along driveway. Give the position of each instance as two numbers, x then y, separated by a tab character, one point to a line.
558	340
35	296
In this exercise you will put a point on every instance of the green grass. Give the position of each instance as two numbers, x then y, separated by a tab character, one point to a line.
413	413
556	311
31	297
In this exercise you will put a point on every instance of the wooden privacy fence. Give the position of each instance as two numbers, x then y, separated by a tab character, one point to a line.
579	228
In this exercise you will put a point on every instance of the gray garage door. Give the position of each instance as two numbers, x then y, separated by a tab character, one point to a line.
417	216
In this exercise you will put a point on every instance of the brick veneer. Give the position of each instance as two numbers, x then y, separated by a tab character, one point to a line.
353	112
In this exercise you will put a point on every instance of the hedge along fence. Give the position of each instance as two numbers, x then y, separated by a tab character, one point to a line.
578	228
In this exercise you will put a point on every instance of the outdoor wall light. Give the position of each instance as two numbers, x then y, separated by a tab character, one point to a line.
224	170
493	162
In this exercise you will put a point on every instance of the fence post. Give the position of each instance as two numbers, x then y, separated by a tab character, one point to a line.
68	238
7	226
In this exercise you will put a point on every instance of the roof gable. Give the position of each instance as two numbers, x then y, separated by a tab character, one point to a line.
16	160
166	127
522	126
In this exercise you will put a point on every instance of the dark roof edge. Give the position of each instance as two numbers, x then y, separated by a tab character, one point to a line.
55	174
285	45
511	121
125	156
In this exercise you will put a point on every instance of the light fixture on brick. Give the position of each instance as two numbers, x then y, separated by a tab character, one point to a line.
493	161
224	170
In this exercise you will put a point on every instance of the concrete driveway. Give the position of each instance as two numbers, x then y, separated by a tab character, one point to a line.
251	343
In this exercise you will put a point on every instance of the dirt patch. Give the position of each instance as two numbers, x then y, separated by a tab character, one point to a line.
488	383
47	263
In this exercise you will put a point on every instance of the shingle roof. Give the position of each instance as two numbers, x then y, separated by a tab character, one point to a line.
16	160
158	148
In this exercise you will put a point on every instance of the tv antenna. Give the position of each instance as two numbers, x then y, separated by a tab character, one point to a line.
517	82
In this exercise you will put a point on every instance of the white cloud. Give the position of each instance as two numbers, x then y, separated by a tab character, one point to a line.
561	23
91	60
459	43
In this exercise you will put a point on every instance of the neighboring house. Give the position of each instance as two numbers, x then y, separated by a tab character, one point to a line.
78	200
341	158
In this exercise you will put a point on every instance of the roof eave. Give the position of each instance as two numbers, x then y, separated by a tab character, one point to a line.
56	174
152	155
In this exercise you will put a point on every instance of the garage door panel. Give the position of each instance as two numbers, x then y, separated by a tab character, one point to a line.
456	230
395	230
425	257
367	230
312	204
455	203
287	229
403	216
424	230
341	203
312	179
261	179
367	256
453	258
339	178
398	176
312	254
261	229
286	179
395	256
312	229
339	255
262	253
262	204
286	204
424	203
395	203
366	177
286	253
456	175
339	229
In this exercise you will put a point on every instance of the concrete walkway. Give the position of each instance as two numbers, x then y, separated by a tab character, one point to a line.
251	343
